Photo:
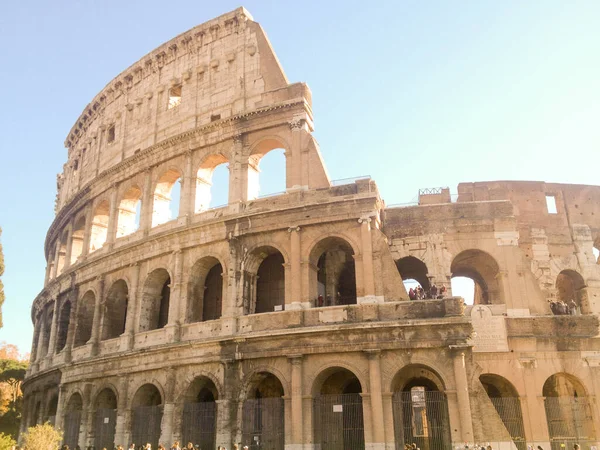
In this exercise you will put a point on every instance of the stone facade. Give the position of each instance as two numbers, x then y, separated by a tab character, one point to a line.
284	321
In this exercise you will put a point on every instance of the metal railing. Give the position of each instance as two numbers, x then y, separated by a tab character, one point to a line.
199	424
263	424
350	180
338	422
146	425
569	422
509	410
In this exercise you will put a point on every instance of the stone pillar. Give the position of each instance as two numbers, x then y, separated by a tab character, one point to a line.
56	257
462	394
35	342
187	192
388	419
96	323
166	434
69	249
113	216
121	412
227	411
147	203
87	232
238	172
128	337
53	326
367	262
58	421
378	432
296	173
39	354
72	320
536	411
293	300
296	403
173	326
85	417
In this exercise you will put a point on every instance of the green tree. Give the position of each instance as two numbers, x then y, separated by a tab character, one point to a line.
1	273
12	372
6	442
42	437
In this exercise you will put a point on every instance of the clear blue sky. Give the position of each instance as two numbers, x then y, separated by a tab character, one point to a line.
414	93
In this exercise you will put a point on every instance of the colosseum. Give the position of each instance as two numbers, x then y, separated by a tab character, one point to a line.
283	322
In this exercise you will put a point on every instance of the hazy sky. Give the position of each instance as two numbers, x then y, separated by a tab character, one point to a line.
414	93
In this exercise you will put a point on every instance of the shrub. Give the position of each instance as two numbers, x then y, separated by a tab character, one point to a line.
6	442
42	437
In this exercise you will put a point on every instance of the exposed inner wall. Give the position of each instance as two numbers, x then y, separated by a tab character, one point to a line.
219	69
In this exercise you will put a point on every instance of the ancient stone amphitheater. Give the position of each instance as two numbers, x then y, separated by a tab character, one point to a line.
283	322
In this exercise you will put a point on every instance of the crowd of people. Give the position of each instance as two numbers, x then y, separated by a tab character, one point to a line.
418	293
562	308
148	446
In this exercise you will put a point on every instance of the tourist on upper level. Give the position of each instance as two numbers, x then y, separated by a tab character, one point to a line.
572	307
433	290
412	294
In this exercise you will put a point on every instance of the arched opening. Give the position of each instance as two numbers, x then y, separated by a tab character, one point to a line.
482	269
99	229
36	417
199	424
154	313
338	422
420	409
128	219
51	409
333	273
264	285
72	420
263	424
596	251
63	326
464	287
212	183
147	413
115	310
62	253
506	401
166	198
205	290
267	156
77	239
105	412
568	411
85	319
571	291
414	275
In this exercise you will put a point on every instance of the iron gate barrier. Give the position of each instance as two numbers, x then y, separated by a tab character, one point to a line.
71	424
146	425
104	429
569	422
421	417
263	423
509	410
338	422
199	424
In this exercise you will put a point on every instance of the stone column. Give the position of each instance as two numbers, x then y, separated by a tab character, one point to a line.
296	402
87	232
58	421
39	354
96	323
86	409
388	419
72	320
166	427
113	217
187	191
121	412
376	399
536	411
367	261
294	299
147	203
238	172
35	341
69	249
173	326
462	394
296	169
53	326
56	257
128	337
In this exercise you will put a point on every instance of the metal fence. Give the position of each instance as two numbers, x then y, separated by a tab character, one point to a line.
146	425
199	424
71	424
421	418
263	424
509	410
104	429
338	422
569	422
